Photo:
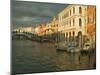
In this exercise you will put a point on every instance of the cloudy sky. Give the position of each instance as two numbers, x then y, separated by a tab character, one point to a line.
33	13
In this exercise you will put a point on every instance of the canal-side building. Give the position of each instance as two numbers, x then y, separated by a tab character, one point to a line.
54	28
49	28
91	24
40	30
28	29
72	23
18	30
54	24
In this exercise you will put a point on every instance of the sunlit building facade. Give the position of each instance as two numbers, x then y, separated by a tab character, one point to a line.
72	23
52	29
91	24
41	30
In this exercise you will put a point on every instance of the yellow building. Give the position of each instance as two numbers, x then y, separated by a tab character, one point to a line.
40	30
52	26
49	29
72	22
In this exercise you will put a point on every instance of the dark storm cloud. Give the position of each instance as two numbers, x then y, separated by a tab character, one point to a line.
26	13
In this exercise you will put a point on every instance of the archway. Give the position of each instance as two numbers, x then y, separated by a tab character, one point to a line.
73	36
80	39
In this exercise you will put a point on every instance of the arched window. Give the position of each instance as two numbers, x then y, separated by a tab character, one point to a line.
80	22
70	22
73	33
70	12
80	10
73	22
69	34
73	10
66	34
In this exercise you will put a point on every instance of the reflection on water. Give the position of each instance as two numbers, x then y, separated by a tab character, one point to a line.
29	56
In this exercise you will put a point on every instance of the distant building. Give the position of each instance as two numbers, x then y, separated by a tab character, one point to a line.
25	29
41	30
49	28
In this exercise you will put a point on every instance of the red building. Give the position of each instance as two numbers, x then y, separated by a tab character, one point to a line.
91	23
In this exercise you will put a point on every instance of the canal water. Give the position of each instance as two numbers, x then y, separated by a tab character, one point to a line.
32	57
